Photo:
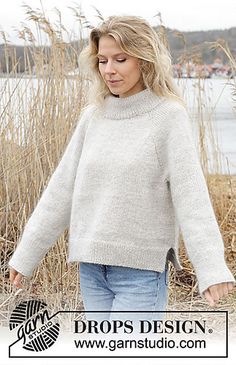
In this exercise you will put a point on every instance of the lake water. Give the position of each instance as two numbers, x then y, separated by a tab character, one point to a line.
216	105
218	109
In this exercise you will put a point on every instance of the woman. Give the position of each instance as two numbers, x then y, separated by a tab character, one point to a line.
129	179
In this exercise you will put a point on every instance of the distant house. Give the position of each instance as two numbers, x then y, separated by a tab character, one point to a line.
217	64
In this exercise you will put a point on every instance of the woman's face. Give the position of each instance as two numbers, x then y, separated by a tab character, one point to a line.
119	67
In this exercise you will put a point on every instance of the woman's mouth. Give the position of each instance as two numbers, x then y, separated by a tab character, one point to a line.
113	82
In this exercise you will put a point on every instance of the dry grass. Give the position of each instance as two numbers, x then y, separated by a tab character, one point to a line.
33	132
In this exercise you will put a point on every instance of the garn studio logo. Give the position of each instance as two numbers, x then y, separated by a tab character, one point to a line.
35	327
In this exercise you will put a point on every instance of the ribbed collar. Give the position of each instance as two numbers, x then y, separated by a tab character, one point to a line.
130	106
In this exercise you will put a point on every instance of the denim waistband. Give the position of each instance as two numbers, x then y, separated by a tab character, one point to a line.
166	271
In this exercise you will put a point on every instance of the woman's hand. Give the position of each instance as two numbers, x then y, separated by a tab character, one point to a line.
217	291
15	278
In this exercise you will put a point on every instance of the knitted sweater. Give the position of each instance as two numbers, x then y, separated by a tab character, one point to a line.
128	183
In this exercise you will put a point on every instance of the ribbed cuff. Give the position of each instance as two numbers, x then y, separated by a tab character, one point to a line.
24	261
214	272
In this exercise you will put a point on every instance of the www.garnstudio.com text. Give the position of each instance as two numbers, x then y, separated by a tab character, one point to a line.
162	343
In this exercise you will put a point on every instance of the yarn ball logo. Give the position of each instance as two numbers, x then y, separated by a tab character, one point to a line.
34	325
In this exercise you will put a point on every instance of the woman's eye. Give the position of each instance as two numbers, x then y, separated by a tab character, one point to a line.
118	60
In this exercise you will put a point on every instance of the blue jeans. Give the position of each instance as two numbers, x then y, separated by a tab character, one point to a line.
117	288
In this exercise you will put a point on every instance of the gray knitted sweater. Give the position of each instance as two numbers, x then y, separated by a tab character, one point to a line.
128	183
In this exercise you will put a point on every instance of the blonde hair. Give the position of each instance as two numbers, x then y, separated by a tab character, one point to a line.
136	38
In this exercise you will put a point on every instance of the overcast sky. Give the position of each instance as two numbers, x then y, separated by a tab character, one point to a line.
178	14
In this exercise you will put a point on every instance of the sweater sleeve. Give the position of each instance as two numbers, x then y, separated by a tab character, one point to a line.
192	204
51	215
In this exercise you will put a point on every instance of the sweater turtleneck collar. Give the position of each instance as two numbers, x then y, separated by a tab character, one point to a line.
130	106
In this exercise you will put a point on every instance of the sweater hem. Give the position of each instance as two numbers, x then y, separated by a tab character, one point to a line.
106	253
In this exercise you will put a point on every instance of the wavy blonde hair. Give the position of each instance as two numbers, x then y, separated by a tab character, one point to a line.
136	38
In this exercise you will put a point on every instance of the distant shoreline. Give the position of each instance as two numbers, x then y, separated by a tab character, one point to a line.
27	76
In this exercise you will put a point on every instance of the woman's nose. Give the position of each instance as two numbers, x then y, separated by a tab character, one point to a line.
109	69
